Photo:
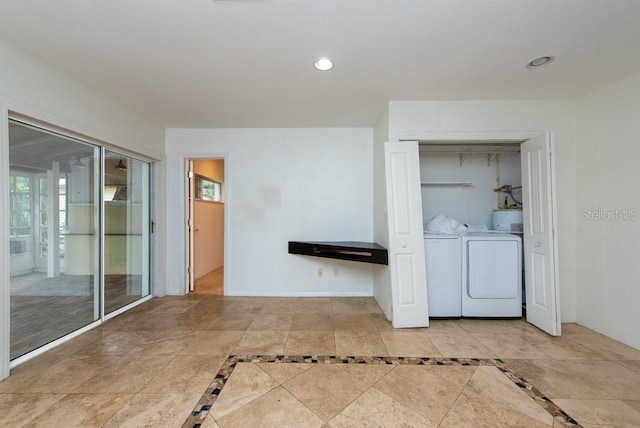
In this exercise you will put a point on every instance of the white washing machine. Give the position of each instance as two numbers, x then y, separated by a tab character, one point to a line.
443	264
491	275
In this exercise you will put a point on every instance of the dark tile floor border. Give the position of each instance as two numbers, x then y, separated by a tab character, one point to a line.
198	415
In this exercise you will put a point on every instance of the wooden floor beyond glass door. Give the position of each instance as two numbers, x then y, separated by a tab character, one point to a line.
45	309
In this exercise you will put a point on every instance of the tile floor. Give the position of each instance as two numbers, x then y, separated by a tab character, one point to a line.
153	365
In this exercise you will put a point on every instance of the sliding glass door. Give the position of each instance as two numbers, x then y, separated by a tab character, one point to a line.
126	230
79	234
54	236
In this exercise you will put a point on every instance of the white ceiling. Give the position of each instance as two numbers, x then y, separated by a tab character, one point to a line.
249	63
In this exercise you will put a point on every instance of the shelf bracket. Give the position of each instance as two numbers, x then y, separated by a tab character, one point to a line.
491	157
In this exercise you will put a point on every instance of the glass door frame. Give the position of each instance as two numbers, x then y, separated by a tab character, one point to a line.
6	115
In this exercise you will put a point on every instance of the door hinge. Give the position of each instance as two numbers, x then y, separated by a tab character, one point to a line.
190	269
190	222
190	174
153	226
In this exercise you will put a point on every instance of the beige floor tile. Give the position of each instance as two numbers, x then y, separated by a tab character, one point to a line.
428	390
443	327
174	306
115	343
311	343
353	322
617	380
213	343
185	375
29	372
314	305
573	328
633	403
601	413
350	305
284	372
272	322
561	348
278	408
66	376
559	379
381	322
514	326
232	321
325	389
209	422
368	373
608	348
375	409
79	343
409	344
506	345
192	320
246	383
19	409
359	343
82	410
156	321
308	321
161	343
279	305
127	375
631	365
492	400
374	307
459	345
154	410
262	343
244	305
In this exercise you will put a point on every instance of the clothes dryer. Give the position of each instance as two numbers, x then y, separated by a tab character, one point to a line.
491	275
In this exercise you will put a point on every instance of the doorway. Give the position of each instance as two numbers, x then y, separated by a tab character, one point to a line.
540	244
205	213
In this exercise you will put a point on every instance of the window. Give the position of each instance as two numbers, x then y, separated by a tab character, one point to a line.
19	205
208	190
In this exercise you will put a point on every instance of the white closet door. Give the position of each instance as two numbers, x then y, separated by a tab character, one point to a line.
541	282
406	239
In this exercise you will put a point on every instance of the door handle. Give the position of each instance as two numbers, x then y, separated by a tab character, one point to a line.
404	245
537	244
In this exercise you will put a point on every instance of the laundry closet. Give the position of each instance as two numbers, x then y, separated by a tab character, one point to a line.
472	210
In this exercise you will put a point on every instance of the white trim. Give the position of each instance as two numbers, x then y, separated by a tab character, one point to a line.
470	137
183	215
5	283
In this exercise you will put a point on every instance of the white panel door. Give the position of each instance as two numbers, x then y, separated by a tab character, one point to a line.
190	227
406	239
541	282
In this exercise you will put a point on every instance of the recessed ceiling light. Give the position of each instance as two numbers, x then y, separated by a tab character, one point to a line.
539	62
323	64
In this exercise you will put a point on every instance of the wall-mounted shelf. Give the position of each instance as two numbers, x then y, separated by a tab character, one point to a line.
447	183
462	184
367	252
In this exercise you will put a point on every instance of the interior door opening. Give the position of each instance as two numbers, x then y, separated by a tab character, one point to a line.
205	194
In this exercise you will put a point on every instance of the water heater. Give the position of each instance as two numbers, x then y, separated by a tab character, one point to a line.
507	220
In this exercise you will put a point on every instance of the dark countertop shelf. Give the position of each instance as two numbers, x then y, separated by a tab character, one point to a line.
366	252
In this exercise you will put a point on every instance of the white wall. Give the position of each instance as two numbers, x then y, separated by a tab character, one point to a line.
209	222
30	87
469	204
281	185
607	248
424	119
382	278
